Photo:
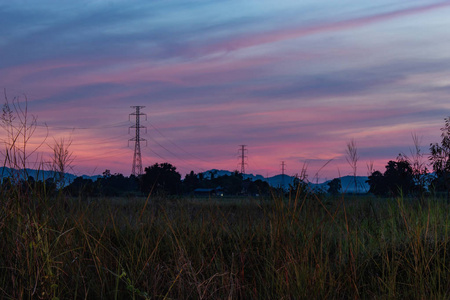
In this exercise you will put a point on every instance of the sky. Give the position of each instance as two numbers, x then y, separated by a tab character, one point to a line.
294	81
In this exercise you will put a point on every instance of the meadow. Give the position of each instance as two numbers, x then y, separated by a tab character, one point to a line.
280	247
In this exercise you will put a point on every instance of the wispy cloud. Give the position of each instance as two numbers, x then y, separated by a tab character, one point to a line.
294	81
293	33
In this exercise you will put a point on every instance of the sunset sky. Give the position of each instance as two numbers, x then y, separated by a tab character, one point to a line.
294	82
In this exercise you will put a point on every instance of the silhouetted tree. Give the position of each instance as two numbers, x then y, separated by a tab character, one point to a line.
334	186
117	184
7	184
106	173
398	178
191	182
50	186
258	187
299	186
82	187
440	160
231	184
377	184
162	178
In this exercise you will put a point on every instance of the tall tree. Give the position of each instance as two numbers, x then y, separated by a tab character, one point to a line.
191	182
440	158
334	186
162	178
397	179
377	184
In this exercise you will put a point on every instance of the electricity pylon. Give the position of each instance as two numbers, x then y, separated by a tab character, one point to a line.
242	157
137	159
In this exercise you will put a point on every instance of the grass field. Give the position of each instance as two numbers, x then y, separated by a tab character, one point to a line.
227	248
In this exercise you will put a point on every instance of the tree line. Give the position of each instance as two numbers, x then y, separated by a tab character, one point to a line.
409	175
164	179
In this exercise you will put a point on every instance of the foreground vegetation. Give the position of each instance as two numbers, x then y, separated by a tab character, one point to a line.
291	247
59	243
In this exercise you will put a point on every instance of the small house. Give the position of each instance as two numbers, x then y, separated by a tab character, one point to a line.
218	191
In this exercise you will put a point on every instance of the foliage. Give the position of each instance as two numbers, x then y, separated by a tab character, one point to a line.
114	185
233	184
440	159
161	178
274	248
398	179
110	185
334	186
378	184
258	187
82	187
299	186
191	182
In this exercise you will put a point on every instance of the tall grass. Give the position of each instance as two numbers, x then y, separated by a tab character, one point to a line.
207	249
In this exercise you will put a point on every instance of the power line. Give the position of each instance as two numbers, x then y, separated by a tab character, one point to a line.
137	158
100	142
160	156
96	141
186	162
112	153
113	125
165	148
173	143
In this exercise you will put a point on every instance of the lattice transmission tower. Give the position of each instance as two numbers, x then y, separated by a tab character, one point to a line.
242	158
137	159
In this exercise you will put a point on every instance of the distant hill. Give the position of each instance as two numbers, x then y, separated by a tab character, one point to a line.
347	182
40	174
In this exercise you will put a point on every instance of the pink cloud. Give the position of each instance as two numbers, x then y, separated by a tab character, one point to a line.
276	36
276	127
